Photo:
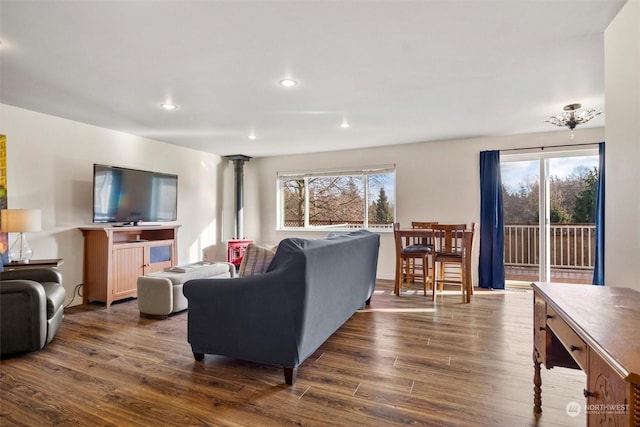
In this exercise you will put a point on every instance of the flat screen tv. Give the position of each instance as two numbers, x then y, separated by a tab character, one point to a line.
131	196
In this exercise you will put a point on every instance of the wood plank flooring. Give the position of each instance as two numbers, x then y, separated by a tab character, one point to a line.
404	360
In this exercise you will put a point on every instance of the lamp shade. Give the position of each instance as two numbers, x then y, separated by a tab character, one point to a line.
20	220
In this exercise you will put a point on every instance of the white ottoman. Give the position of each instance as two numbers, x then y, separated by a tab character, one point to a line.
160	294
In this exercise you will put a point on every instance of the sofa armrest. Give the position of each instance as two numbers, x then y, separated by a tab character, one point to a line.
253	318
43	274
23	316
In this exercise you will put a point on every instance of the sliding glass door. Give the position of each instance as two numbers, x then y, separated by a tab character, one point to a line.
549	206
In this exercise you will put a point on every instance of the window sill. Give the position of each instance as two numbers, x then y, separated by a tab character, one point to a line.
329	229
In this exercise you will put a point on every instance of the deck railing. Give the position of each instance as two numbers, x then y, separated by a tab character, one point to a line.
337	224
572	245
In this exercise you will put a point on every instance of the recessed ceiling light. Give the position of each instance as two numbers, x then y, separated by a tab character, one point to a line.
344	125
252	136
288	83
167	106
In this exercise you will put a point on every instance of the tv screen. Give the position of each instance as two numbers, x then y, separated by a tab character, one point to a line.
131	195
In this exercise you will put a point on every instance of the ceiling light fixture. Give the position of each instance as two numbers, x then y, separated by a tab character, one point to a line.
252	136
288	83
573	116
344	125
168	107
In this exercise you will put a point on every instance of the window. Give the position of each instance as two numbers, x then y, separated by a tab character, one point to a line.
356	198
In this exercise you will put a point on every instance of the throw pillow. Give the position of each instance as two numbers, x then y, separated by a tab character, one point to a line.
256	260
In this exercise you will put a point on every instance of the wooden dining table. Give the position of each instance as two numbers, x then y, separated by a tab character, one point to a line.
467	288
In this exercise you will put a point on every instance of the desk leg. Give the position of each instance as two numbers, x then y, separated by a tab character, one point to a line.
537	384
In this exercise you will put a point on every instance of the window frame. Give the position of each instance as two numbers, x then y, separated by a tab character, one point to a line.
543	155
363	172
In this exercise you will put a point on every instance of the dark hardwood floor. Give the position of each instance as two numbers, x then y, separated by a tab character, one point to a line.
404	360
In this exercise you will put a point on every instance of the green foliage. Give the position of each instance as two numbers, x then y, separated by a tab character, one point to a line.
573	199
585	207
383	212
559	215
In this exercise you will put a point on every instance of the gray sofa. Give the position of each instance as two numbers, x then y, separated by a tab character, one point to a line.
31	309
282	316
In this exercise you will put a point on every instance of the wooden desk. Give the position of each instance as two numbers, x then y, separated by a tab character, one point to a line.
34	263
427	233
596	329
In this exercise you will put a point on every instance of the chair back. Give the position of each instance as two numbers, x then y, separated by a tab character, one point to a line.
413	242
449	238
474	227
397	237
423	225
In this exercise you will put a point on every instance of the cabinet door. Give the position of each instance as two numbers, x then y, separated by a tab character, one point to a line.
159	255
608	401
128	262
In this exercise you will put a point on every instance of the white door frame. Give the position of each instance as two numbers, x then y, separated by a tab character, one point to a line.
543	156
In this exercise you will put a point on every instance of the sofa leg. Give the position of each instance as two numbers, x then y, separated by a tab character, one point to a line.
198	356
290	375
368	301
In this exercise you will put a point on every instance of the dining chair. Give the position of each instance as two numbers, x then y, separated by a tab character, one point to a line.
420	241
452	257
413	251
468	257
450	260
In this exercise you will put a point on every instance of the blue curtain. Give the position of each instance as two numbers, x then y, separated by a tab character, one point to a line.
598	266
491	266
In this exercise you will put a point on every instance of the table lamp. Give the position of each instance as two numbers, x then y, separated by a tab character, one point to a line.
20	221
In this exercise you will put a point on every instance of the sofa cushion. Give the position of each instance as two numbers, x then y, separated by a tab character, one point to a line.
417	249
205	270
256	260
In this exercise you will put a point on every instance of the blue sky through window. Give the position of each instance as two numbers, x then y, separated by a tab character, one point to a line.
513	173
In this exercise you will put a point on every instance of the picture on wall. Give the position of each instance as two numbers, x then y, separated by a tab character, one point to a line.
4	237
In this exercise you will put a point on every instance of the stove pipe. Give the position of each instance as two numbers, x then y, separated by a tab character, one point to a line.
238	163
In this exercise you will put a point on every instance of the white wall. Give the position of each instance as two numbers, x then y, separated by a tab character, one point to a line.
50	166
434	181
622	102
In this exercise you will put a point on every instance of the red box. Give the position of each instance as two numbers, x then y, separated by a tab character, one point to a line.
236	249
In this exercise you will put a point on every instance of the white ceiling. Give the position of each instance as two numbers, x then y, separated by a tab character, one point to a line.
397	71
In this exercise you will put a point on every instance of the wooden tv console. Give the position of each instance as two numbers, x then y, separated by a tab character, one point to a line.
114	258
596	329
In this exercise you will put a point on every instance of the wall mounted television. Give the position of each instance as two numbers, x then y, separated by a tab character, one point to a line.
131	196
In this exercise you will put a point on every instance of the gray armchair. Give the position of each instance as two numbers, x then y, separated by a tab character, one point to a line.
31	309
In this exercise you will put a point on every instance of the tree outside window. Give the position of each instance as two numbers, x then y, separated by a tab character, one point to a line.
573	198
347	199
